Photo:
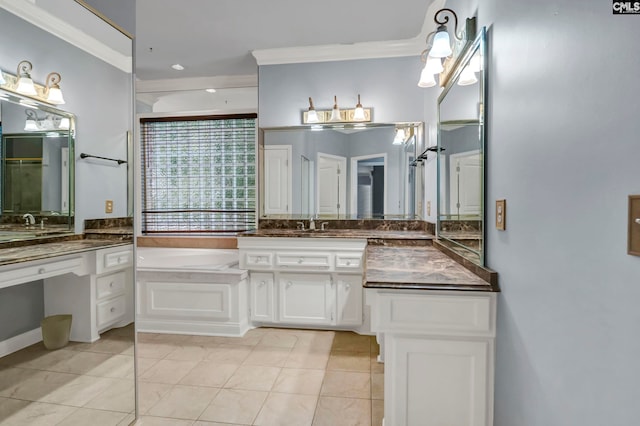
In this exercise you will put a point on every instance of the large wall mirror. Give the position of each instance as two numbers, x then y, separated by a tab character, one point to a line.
350	171
36	168
461	143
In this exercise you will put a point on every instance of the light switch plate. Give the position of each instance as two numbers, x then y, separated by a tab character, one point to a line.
501	215
633	245
108	206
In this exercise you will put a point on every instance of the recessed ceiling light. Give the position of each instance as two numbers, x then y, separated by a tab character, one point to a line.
177	67
210	90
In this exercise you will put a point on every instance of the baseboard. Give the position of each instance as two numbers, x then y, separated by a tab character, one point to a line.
195	328
20	341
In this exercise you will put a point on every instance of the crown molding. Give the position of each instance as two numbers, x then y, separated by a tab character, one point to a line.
65	31
197	83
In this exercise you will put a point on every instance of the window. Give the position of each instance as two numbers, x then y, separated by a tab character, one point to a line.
199	174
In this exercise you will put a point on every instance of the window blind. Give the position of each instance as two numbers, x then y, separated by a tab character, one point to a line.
199	174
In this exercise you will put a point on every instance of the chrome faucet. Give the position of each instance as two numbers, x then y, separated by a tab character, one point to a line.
323	226
312	224
29	219
300	226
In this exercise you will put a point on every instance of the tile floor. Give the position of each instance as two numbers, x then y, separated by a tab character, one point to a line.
268	377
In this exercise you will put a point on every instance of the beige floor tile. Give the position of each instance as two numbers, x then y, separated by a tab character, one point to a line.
268	356
251	377
82	363
120	396
112	346
228	354
183	402
320	340
79	391
37	385
203	423
12	376
350	361
251	340
351	342
287	410
154	349
377	386
161	421
278	339
377	412
46	360
342	411
234	406
128	420
85	416
305	359
375	347
144	364
37	414
188	352
115	366
347	384
209	373
299	381
149	394
10	407
168	371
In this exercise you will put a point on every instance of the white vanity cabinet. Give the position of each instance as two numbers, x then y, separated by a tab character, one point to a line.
438	350
101	299
304	281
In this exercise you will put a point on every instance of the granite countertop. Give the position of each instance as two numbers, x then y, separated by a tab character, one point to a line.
13	255
126	231
425	268
341	233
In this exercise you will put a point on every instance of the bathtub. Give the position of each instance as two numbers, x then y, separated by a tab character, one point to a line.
191	291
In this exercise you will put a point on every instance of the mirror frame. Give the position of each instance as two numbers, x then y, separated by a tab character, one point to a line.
419	146
478	45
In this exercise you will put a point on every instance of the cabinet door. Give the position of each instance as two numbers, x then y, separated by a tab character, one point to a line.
306	298
432	382
262	297
349	288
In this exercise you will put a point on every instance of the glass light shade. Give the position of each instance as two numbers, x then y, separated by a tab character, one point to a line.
467	77
2	80
30	126
312	116
475	64
358	114
335	114
47	124
26	87
441	44
399	138
55	96
426	78
64	124
434	65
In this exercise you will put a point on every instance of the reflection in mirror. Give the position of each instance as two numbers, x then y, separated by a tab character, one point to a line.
461	156
36	168
363	171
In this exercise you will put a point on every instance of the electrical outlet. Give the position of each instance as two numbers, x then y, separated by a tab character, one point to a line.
108	206
501	215
428	208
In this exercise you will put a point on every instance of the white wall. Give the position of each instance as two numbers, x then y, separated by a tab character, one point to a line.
563	149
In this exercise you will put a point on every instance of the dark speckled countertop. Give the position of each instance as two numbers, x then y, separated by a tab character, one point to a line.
342	233
31	252
425	268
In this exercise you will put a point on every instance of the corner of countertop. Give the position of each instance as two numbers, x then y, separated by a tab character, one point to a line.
488	275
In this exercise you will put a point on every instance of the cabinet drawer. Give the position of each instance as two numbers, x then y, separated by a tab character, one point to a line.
316	260
110	285
44	270
349	261
258	259
110	311
114	259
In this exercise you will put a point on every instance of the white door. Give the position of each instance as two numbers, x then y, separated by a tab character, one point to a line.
306	298
64	180
277	179
332	184
466	183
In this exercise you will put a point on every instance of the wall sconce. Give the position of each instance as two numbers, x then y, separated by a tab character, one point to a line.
23	84
359	114
439	48
33	123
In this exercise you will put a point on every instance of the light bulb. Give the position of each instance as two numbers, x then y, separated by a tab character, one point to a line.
30	126
358	114
312	115
467	77
441	44
2	80
26	87
399	138
426	79
335	112
55	96
434	65
64	124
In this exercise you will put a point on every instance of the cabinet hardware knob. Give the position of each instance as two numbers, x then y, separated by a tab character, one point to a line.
261	283
111	284
300	260
42	271
289	284
348	262
348	286
113	309
638	220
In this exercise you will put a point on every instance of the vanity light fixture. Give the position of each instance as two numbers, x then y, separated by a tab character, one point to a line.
467	77
25	83
54	94
358	113
400	137
31	125
34	123
211	90
441	42
312	115
2	80
335	112
177	67
64	124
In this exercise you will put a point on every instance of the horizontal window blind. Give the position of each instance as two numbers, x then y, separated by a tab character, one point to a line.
199	174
